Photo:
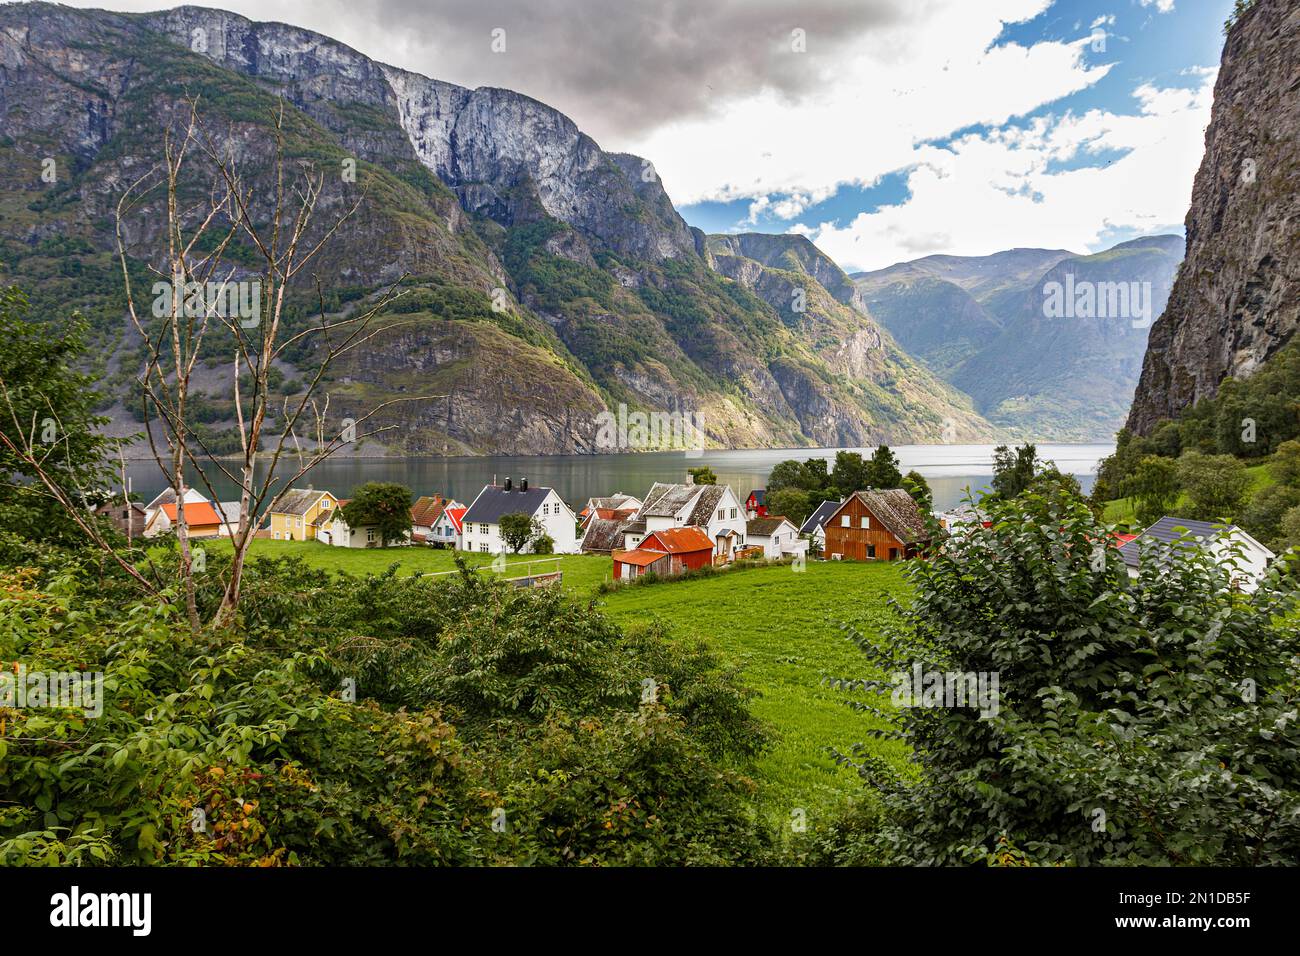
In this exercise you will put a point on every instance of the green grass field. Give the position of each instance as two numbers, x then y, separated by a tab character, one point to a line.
780	626
1120	511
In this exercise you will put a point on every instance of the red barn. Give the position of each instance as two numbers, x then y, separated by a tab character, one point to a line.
665	553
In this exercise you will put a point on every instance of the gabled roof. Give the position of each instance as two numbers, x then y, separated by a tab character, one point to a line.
602	534
168	496
196	513
427	509
639	558
298	501
678	541
766	527
759	495
665	500
895	509
706	504
493	503
457	517
818	518
1170	530
229	511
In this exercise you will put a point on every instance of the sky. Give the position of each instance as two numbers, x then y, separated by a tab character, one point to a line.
884	130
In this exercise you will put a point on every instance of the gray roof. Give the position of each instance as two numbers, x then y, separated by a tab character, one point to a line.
494	502
665	500
764	527
1169	530
706	504
298	501
634	527
603	534
896	510
818	518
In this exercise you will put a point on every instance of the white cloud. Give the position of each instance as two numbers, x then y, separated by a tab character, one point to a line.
1164	6
922	78
1004	188
1106	20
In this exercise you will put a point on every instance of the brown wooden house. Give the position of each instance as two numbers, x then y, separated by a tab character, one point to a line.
875	525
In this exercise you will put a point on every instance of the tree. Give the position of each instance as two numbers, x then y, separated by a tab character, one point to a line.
703	475
786	474
54	460
1154	486
914	484
1262	517
849	474
1216	485
1285	467
883	470
794	503
518	529
1146	736
385	505
1013	471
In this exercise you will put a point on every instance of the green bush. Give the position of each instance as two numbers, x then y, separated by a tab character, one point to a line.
1145	722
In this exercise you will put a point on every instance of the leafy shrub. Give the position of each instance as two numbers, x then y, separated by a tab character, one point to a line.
1138	722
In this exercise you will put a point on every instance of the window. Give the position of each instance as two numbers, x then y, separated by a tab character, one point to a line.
733	512
483	529
866	522
483	547
722	514
871	550
370	535
844	521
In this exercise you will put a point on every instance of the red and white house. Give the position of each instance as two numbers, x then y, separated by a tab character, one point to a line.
756	503
667	552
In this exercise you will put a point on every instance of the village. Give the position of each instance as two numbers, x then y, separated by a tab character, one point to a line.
671	530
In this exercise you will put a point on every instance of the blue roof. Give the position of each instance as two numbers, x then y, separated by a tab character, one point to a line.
1170	530
494	502
818	518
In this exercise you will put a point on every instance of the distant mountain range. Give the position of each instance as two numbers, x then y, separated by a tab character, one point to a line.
612	298
991	326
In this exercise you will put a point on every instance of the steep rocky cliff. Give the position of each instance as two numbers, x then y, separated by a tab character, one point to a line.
1237	297
611	298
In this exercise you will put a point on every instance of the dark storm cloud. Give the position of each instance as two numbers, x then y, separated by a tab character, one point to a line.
618	67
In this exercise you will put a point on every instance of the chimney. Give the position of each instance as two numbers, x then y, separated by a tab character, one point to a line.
524	485
507	484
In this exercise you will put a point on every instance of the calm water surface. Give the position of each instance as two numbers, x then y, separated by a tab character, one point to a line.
949	469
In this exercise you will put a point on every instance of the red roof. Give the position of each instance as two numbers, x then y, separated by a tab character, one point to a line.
456	515
196	513
639	557
678	541
426	510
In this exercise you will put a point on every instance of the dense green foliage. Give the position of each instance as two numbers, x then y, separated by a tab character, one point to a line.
367	721
518	529
1137	722
385	506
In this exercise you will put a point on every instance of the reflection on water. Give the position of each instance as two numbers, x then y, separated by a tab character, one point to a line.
948	468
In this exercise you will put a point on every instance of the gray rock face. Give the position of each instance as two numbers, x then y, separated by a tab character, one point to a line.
506	154
1237	297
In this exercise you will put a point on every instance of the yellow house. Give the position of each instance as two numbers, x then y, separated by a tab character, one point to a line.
293	516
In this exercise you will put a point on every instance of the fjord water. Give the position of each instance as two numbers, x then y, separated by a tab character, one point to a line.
949	469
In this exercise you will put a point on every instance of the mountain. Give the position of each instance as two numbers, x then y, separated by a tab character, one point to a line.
987	326
1237	298
472	195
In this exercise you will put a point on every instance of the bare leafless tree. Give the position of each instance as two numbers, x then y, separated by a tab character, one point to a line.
192	303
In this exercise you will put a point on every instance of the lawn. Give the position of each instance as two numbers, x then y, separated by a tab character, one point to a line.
780	626
582	573
783	628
